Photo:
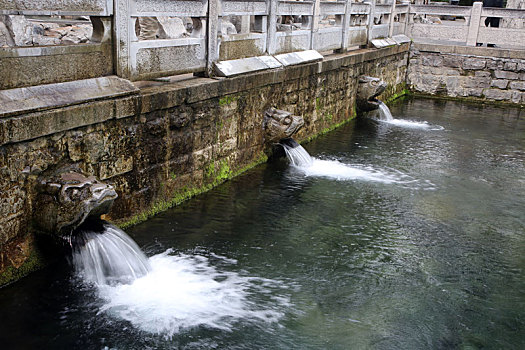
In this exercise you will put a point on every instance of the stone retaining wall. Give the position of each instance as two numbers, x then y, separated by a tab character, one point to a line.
170	140
473	72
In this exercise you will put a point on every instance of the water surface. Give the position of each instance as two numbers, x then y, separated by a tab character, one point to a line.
425	253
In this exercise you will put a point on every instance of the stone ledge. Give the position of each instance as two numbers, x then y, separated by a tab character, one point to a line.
245	65
48	116
300	57
470	50
43	97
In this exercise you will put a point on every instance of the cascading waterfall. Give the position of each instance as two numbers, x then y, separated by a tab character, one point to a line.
107	256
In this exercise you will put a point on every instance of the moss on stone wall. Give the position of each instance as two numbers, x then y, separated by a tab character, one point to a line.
469	99
34	262
216	176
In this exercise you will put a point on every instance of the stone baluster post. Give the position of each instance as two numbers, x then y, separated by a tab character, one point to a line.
346	24
212	35
271	42
371	14
315	23
475	19
123	27
245	24
391	19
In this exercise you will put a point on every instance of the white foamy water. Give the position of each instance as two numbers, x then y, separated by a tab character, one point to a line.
334	169
340	171
168	293
412	124
384	115
186	291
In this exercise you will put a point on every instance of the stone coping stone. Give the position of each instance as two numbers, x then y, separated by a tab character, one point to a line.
41	97
401	39
380	43
470	50
245	65
293	58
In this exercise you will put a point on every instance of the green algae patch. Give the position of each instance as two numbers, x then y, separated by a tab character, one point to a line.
331	127
219	176
227	100
469	99
34	262
398	97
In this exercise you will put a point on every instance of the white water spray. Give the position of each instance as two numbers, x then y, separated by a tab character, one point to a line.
310	166
384	115
169	292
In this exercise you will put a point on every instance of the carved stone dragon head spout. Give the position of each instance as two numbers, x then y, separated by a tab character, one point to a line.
367	91
66	200
279	125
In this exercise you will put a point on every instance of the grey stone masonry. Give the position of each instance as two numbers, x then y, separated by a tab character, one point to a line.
474	72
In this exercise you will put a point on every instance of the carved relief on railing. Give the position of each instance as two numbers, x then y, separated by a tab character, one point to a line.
160	37
242	29
40	23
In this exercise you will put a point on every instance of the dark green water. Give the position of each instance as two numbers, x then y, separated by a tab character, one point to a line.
433	261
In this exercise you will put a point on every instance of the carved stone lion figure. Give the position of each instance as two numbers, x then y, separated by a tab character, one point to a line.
367	91
66	200
279	125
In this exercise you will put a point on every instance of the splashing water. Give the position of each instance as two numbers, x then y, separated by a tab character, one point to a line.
384	112
334	169
168	293
310	166
384	115
185	291
298	156
108	257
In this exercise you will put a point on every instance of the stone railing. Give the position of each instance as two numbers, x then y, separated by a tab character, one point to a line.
33	64
146	39
469	25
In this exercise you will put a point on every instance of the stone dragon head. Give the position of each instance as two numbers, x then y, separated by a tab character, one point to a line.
66	200
367	91
279	125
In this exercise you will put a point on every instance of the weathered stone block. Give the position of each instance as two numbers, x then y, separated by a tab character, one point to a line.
517	96
501	74
452	72
432	60
476	83
500	83
482	74
116	167
452	83
494	64
497	94
474	63
453	61
474	92
517	85
510	66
